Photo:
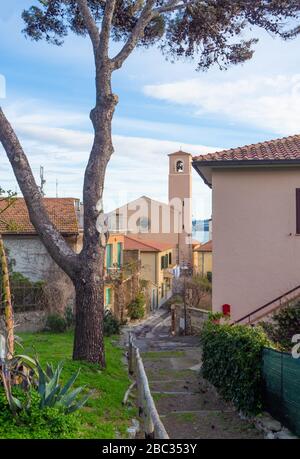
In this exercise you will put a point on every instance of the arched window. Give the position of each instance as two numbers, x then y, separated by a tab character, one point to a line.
179	166
143	224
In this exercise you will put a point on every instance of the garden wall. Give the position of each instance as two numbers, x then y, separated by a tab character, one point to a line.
30	321
195	319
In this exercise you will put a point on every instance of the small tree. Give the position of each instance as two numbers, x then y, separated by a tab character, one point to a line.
8	199
180	28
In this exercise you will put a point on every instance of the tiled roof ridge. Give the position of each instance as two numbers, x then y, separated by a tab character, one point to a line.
145	243
264	144
61	211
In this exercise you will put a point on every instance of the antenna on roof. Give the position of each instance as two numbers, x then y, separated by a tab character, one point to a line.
56	188
43	181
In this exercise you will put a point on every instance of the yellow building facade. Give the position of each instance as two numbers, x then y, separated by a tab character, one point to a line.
203	260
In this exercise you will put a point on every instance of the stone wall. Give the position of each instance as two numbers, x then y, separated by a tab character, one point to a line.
31	321
195	319
30	256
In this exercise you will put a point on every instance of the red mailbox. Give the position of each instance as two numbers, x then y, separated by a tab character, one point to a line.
226	309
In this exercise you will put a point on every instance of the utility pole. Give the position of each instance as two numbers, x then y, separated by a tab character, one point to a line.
56	188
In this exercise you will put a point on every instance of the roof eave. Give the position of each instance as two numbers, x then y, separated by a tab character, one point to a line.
200	172
201	165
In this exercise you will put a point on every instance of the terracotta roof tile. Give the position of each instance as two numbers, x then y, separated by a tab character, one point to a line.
61	211
286	148
207	247
145	246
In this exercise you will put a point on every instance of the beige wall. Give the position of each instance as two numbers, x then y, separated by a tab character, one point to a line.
203	263
164	222
151	270
256	254
167	223
148	270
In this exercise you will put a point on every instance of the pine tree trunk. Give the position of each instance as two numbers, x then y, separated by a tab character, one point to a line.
89	341
8	309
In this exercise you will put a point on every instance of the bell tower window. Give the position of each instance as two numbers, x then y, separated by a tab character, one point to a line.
179	166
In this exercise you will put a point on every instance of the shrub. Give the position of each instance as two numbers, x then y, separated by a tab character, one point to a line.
285	324
136	309
32	422
58	291
232	361
56	323
69	317
111	324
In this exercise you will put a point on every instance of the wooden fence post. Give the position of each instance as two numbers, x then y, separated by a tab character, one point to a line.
130	355
173	320
153	427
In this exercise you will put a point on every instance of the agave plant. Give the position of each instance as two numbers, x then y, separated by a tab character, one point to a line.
52	393
25	372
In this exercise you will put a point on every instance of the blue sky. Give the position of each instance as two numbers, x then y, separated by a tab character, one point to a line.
163	106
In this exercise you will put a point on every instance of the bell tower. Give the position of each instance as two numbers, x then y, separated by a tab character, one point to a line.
180	191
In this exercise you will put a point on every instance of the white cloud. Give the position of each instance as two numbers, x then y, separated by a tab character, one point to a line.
2	87
138	167
269	103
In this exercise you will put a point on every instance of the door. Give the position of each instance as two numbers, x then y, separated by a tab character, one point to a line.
154	300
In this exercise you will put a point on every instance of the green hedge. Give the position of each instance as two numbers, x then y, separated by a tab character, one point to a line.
232	362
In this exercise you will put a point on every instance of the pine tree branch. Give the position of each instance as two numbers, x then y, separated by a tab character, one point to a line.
106	27
90	23
147	14
145	17
173	5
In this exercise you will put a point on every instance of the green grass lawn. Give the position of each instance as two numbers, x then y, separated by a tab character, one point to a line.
103	416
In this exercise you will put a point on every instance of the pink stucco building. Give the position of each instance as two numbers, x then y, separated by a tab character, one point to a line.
256	224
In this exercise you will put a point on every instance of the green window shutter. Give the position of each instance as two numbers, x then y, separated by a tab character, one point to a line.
109	256
107	296
162	262
120	250
166	261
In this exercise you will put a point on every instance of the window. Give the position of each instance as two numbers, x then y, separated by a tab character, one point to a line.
108	296
170	258
109	253
120	252
164	261
298	210
143	224
179	166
